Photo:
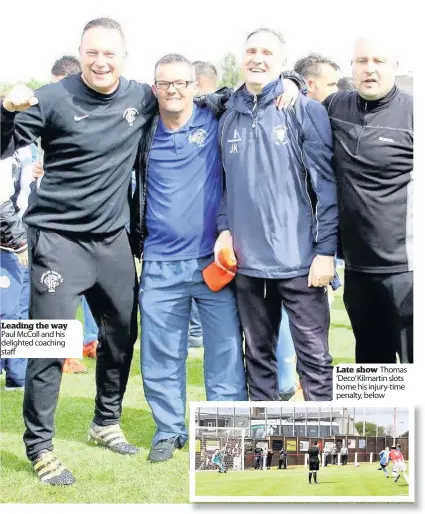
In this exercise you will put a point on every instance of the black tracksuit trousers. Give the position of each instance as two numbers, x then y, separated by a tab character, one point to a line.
380	307
102	268
260	310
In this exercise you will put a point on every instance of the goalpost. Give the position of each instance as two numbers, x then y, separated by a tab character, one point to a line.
229	441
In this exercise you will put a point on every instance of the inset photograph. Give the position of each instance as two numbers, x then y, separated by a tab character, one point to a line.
267	451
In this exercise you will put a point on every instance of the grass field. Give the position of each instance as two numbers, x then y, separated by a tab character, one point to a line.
104	477
333	481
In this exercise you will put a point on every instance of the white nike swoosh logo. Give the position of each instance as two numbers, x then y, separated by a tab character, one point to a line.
78	118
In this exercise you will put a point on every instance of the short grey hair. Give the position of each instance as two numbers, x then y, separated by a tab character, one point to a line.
205	69
176	58
275	33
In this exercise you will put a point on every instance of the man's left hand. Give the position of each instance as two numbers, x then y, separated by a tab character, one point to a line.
322	271
289	96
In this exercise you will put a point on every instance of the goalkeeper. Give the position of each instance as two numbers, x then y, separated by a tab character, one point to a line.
218	461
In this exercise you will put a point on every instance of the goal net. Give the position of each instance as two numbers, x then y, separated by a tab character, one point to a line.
227	443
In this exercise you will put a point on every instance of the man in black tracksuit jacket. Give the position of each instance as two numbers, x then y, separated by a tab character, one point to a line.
373	155
90	127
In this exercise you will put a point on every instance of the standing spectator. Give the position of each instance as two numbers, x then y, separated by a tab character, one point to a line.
283	458
344	454
327	454
374	166
269	458
334	455
284	249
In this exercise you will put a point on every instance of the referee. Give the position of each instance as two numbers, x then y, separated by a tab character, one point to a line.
313	462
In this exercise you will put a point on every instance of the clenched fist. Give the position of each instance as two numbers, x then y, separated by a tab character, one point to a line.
19	98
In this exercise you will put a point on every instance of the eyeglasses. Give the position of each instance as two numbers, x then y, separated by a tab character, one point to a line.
178	84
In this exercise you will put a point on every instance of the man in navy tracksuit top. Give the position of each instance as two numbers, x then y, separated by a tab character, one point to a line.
280	216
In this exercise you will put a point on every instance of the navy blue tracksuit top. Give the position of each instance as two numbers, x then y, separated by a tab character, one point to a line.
280	203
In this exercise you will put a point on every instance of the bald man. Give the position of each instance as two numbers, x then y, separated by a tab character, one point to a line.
373	155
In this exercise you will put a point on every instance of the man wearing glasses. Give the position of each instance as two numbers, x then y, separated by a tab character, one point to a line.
180	196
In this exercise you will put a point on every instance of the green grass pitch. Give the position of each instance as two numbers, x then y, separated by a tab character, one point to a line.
348	480
104	477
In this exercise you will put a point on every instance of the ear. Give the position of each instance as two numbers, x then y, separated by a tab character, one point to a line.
196	88
154	90
310	85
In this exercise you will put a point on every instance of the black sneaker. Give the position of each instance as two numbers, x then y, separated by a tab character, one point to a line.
397	478
50	470
164	449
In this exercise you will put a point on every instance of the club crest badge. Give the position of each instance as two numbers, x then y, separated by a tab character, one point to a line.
52	279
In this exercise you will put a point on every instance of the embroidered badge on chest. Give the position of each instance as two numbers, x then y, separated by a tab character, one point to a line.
198	137
51	279
281	133
130	115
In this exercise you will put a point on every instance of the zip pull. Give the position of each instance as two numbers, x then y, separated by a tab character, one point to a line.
265	288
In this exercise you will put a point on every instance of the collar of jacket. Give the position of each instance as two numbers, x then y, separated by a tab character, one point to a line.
381	103
243	101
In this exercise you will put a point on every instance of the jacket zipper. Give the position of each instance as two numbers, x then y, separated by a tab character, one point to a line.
254	113
363	127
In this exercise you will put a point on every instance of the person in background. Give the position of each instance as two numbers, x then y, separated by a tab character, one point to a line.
344	454
334	455
269	458
283	458
15	180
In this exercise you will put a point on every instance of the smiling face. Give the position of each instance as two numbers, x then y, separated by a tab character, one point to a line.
262	61
175	88
102	56
374	69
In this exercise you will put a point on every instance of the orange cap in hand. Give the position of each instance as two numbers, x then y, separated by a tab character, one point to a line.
214	276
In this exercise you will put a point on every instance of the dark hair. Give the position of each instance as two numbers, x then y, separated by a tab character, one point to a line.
393	447
205	68
66	65
173	58
269	31
315	443
346	84
310	65
106	23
